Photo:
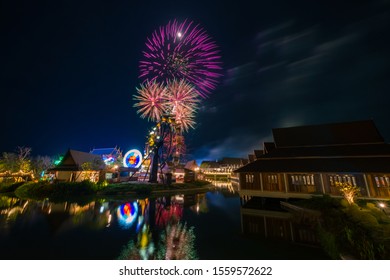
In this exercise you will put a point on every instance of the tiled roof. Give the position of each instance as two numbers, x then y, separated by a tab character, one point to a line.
258	153
359	132
331	151
209	164
231	161
336	164
342	147
73	160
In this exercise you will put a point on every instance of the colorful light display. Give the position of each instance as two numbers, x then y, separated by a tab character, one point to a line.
132	158
108	159
182	50
127	214
179	100
151	100
58	160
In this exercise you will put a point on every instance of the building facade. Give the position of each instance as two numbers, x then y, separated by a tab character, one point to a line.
313	160
77	166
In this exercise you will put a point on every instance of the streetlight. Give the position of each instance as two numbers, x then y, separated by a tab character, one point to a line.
196	173
382	206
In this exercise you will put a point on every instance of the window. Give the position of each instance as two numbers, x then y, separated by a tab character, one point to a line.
272	179
307	180
382	181
249	178
337	179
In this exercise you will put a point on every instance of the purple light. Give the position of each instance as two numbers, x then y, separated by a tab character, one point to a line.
182	51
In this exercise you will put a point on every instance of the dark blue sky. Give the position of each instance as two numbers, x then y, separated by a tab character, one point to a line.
69	70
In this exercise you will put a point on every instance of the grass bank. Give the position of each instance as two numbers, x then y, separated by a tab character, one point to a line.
63	191
76	191
360	231
10	187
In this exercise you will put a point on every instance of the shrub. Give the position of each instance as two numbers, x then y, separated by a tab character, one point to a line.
344	203
6	188
328	243
370	205
56	191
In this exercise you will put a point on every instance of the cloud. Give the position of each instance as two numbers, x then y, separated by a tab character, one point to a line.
300	76
235	145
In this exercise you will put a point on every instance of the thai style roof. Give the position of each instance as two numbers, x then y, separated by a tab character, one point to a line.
106	151
258	153
359	132
334	164
209	164
73	161
324	148
191	165
231	161
331	151
268	147
251	158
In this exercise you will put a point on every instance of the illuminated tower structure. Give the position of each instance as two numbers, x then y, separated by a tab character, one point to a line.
160	145
165	144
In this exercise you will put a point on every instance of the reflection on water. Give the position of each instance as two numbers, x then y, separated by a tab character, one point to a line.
213	225
154	226
160	232
229	186
263	218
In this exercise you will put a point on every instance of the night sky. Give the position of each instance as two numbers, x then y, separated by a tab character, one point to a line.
69	70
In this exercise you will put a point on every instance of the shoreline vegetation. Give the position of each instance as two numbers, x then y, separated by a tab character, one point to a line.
79	191
351	231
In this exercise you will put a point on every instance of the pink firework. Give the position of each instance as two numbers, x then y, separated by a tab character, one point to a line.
183	101
182	96
185	120
151	100
182	51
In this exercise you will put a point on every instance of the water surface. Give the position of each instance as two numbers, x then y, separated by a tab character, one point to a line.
212	225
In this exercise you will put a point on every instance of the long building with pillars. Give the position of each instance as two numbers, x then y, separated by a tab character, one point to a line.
310	160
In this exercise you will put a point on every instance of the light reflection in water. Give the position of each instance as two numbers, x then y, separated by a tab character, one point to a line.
230	186
127	214
163	235
150	228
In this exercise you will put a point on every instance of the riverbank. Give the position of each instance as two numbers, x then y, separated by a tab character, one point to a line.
65	191
357	231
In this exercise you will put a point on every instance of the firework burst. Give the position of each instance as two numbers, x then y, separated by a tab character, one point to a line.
184	102
152	102
184	119
182	51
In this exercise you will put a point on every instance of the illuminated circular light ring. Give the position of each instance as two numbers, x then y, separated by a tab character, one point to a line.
132	158
127	214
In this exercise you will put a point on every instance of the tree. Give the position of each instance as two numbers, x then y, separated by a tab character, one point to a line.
90	166
349	191
24	161
9	162
40	164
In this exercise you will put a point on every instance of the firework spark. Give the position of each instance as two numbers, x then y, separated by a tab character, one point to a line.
182	51
184	120
184	101
151	100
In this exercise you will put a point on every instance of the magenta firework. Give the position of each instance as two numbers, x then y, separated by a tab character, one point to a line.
182	51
